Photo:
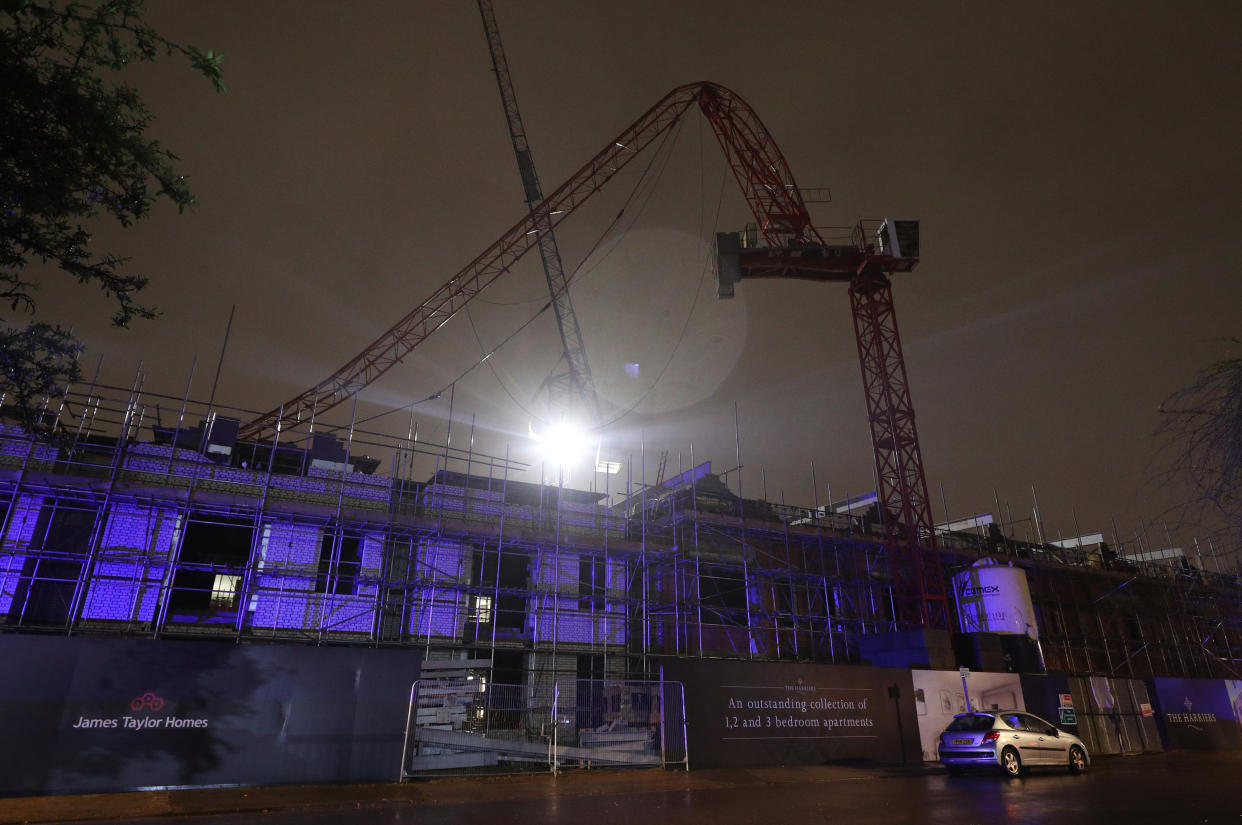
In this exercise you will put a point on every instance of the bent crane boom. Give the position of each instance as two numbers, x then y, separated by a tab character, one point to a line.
794	249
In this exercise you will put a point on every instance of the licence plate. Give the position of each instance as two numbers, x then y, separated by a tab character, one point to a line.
961	741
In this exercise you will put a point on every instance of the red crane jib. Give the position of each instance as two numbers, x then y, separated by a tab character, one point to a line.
757	164
794	249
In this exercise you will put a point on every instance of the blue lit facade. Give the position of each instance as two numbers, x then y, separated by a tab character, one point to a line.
304	545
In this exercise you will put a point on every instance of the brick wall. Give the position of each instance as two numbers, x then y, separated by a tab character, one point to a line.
130	563
438	608
23	516
283	593
355	613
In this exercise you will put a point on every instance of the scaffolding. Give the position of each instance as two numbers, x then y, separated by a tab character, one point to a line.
117	524
1103	609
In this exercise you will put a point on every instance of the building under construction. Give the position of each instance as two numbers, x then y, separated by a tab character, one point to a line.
116	527
277	530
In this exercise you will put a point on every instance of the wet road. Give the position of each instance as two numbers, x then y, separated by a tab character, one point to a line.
1173	788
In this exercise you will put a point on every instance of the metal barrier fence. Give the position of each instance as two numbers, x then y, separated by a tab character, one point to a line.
1114	715
474	725
604	722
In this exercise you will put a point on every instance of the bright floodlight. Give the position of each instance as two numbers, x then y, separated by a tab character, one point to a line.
562	444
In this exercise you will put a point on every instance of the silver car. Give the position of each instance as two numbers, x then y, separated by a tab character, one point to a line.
1012	740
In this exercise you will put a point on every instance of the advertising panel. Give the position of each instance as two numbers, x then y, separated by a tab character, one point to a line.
773	713
120	714
938	697
1198	714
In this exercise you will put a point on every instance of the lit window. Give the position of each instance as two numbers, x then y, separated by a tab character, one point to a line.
481	609
224	590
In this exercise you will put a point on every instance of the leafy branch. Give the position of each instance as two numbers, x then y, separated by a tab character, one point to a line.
73	148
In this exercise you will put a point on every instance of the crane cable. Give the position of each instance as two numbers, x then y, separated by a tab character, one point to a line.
579	273
487	354
667	142
698	291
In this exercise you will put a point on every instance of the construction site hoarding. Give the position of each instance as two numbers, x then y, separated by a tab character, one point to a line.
776	713
1199	714
99	715
1111	715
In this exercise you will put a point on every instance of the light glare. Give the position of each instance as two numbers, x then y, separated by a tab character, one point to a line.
562	444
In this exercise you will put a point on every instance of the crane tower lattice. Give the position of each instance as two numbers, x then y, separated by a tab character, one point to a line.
575	383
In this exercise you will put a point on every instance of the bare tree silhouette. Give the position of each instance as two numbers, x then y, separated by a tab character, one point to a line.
1200	434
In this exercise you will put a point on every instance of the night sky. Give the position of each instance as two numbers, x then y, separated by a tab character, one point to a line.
1075	167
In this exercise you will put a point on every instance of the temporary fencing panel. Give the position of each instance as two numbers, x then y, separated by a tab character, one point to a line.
618	723
1110	714
472	724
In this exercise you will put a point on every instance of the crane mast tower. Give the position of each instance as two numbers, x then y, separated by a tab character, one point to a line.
574	384
789	247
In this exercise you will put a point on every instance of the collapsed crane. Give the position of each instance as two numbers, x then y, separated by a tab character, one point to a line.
792	248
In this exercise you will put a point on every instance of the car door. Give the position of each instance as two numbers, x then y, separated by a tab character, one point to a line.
1020	738
1055	746
1044	743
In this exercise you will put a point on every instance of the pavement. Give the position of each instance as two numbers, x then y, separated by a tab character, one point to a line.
433	792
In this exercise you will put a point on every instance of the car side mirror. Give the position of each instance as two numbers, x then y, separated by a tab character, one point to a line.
1056	732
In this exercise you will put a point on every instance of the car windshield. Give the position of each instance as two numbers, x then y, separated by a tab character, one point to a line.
972	721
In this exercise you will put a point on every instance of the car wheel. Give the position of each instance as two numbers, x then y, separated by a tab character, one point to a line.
1077	760
1011	763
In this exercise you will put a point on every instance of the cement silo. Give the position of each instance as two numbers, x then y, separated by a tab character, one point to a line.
994	598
